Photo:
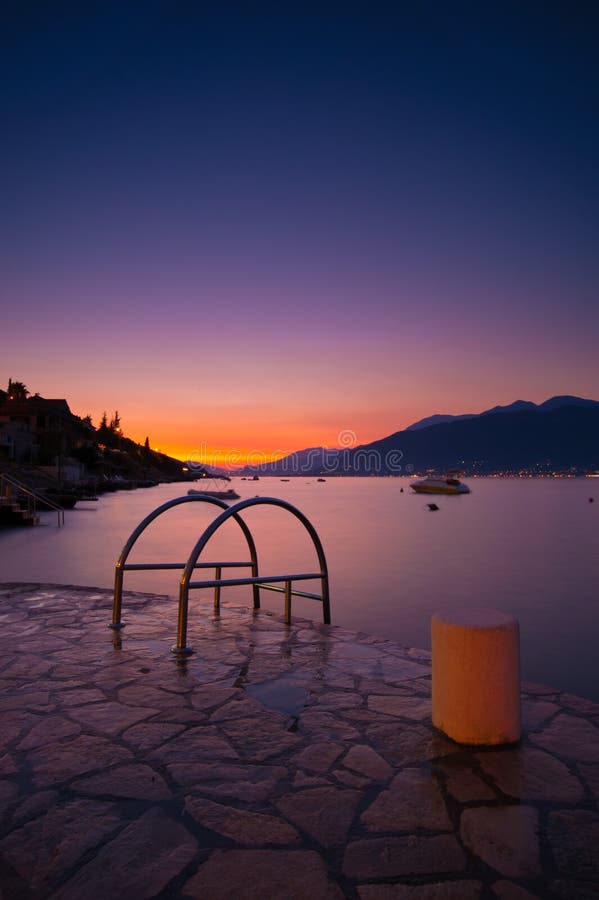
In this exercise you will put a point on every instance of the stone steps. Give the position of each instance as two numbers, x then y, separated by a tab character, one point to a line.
13	514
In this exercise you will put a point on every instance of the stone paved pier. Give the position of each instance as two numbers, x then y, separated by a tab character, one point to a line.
276	762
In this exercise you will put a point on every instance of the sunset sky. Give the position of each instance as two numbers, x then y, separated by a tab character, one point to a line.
259	226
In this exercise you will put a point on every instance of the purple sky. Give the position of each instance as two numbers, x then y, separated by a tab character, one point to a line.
254	230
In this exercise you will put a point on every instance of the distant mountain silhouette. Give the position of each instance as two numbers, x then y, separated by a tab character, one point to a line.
559	439
560	434
517	406
567	400
310	461
438	420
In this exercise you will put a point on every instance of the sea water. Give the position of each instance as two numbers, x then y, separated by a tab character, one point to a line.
526	546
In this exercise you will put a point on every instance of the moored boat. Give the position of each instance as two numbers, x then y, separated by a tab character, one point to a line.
220	495
449	484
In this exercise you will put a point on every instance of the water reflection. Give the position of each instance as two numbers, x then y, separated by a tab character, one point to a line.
526	546
286	694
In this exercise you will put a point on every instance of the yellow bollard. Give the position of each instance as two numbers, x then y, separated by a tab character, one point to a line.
476	676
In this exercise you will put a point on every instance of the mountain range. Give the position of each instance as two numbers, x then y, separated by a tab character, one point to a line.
517	406
559	435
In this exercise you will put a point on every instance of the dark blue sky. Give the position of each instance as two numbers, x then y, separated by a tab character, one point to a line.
372	213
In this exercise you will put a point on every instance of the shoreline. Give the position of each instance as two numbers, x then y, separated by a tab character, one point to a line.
545	577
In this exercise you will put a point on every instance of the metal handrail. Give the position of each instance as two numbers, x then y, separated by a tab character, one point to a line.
281	583
36	496
123	566
233	511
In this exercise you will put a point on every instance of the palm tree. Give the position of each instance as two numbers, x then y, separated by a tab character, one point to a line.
17	390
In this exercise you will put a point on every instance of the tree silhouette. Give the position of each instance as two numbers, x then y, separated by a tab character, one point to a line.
103	432
17	390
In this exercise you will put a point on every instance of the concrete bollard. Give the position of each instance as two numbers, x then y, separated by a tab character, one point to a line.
476	676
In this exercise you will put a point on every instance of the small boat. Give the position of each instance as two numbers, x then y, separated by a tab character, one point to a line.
213	482
450	484
321	479
220	495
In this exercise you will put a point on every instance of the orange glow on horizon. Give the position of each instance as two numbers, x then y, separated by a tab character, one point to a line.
231	458
230	445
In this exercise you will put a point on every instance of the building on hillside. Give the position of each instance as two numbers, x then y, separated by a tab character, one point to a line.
37	430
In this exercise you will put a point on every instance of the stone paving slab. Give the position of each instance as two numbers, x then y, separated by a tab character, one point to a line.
276	762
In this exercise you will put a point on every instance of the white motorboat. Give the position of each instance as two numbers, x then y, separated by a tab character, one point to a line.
221	495
449	484
213	484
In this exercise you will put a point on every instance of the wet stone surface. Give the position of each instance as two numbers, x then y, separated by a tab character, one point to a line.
276	761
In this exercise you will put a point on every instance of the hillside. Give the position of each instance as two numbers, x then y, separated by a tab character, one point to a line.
557	440
43	443
560	435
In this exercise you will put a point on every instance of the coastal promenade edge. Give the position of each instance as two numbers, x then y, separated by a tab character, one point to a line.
291	761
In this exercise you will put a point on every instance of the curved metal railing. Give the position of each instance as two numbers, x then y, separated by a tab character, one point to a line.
123	566
282	583
271	582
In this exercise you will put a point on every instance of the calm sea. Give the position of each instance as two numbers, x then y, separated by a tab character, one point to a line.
527	546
